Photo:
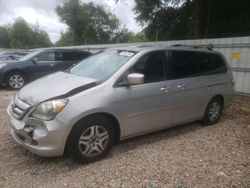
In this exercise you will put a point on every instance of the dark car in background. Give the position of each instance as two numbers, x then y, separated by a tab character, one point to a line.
15	74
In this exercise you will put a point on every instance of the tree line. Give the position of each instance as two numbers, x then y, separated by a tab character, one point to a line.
22	35
90	23
192	19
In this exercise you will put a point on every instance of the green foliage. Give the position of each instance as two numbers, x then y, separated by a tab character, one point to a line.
224	18
89	23
125	36
92	24
4	37
21	35
40	38
182	19
67	39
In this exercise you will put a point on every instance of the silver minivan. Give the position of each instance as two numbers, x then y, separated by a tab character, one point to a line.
117	94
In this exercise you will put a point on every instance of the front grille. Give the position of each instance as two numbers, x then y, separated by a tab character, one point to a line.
19	108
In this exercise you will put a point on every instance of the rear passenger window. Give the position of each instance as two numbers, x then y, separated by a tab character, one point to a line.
184	64
211	64
68	56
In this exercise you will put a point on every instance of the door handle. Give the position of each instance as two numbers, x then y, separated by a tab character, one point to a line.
181	87
52	65
165	89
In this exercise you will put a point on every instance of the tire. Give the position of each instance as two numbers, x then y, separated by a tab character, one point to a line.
91	139
213	111
15	80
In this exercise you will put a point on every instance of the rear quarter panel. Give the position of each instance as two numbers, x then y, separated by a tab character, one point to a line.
220	84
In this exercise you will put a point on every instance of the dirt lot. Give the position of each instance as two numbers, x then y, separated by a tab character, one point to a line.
186	156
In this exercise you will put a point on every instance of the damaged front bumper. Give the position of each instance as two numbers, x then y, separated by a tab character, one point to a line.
43	138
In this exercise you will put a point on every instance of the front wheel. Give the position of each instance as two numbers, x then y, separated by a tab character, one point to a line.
91	139
213	111
15	80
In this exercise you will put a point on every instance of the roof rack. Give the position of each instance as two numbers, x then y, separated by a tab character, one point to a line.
144	46
209	47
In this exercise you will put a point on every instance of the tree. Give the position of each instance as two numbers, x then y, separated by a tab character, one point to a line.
181	19
126	36
88	22
4	37
103	24
224	18
40	37
71	14
21	35
67	39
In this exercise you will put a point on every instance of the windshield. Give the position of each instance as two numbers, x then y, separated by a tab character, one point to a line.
103	65
30	55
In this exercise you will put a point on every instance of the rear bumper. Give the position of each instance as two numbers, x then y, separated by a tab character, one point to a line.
43	138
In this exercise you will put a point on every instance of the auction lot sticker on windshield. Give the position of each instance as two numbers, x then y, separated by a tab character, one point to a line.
128	54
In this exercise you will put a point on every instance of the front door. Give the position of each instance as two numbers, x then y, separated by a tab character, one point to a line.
46	64
148	106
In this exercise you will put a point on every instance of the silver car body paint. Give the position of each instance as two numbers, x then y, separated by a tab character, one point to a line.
139	109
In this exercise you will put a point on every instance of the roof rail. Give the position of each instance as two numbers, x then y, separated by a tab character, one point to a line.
144	46
209	46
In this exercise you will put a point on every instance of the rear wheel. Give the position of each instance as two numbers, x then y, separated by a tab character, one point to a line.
15	80
91	139
213	111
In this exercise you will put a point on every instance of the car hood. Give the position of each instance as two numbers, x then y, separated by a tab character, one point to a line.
57	85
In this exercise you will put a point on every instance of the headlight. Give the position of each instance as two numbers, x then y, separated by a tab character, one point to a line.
49	109
2	65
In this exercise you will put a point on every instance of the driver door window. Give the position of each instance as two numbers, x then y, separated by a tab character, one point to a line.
152	66
48	56
45	65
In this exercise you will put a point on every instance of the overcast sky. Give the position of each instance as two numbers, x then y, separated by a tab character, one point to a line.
42	12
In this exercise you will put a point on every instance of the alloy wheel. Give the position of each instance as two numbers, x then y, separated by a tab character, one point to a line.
93	141
16	81
214	111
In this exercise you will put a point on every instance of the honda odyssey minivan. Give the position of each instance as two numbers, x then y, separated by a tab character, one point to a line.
117	94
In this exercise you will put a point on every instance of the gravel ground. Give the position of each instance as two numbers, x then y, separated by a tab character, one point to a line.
186	156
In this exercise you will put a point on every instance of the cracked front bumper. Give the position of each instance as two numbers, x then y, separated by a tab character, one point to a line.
43	138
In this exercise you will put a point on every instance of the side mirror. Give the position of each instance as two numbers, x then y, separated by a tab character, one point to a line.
34	60
135	79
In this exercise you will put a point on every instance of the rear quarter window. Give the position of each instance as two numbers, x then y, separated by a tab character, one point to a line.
211	63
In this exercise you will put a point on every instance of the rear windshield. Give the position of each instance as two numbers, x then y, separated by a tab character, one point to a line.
102	65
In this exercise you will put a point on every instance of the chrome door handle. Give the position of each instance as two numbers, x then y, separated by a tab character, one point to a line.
181	87
165	89
52	65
